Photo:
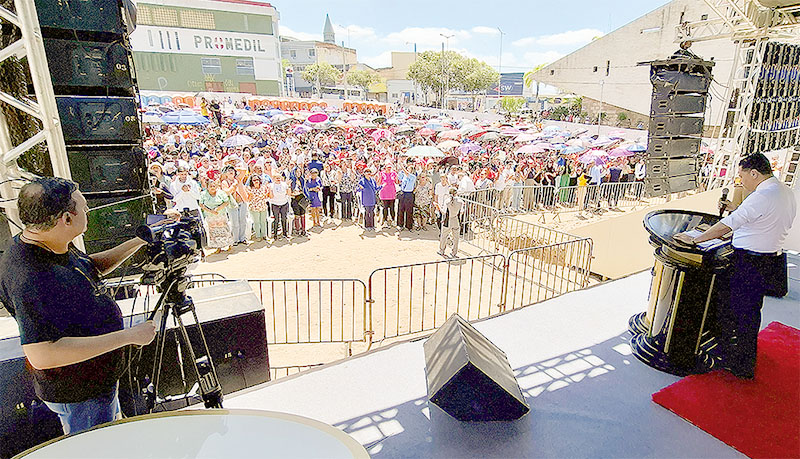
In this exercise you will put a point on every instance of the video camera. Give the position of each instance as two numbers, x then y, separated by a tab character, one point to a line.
171	246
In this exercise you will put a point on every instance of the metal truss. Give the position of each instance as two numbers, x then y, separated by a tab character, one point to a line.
741	20
30	46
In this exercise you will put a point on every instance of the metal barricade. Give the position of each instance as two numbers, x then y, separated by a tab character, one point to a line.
532	199
303	311
477	224
536	274
419	297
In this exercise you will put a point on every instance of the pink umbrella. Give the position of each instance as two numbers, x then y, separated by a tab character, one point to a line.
300	129
510	131
318	118
378	134
620	153
530	148
452	134
594	156
425	132
469	148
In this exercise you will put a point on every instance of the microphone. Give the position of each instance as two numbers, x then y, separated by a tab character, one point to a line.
724	197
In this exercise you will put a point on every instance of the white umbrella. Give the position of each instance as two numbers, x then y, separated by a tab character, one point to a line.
151	118
257	129
238	141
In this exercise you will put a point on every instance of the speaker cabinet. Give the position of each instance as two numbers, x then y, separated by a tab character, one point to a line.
659	168
100	168
672	147
469	377
666	185
88	120
677	104
670	126
83	16
86	67
665	79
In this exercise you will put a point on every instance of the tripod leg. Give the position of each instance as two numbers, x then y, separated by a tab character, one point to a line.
210	389
158	358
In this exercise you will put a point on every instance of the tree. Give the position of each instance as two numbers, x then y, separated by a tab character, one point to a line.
322	74
480	77
512	105
529	80
363	79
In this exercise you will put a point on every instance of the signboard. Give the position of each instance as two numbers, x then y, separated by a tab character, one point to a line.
205	42
511	84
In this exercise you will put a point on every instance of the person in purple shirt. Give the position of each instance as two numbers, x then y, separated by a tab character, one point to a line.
369	189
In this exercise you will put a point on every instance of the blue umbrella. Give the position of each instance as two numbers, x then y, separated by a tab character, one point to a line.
573	150
184	117
637	148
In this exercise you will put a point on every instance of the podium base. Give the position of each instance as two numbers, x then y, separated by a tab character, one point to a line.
637	324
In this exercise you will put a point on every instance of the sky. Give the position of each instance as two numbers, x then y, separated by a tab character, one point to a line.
533	32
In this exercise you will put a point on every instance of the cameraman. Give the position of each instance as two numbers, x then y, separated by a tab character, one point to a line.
70	328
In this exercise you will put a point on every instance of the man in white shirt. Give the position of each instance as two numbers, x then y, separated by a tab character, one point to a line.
440	191
760	225
185	191
279	201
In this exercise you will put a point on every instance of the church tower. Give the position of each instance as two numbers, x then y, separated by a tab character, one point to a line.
328	35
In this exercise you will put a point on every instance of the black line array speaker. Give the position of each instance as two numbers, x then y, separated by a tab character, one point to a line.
88	53
680	91
469	377
233	322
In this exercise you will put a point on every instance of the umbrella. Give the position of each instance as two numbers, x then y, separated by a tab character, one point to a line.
448	144
594	156
449	161
510	132
489	136
551	128
425	132
452	134
258	129
394	121
301	129
574	142
435	126
530	148
238	114
602	141
381	134
379	119
368	126
238	141
620	153
416	122
280	119
469	148
249	119
423	150
152	118
616	134
574	149
274	111
524	138
637	148
184	117
317	118
404	129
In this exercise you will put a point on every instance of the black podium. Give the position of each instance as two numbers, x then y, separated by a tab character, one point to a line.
677	327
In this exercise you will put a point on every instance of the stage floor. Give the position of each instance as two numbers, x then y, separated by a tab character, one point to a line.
589	396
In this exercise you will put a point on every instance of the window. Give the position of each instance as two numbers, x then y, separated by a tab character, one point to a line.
293	53
704	17
244	67
595	69
211	65
312	52
164	16
608	67
196	19
144	15
552	72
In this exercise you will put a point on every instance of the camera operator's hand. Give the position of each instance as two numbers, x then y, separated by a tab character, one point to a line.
142	334
172	214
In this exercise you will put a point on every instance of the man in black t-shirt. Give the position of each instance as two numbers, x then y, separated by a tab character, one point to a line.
70	328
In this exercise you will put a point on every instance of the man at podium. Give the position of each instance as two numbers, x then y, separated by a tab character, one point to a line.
760	225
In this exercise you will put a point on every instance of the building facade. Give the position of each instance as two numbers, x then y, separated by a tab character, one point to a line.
608	75
207	46
302	53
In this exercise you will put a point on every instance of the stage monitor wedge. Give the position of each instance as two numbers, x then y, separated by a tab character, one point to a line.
469	377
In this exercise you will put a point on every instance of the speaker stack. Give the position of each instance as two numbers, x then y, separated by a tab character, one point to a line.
775	117
680	90
89	57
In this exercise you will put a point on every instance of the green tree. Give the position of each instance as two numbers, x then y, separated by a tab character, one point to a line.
512	105
529	79
321	74
479	77
363	79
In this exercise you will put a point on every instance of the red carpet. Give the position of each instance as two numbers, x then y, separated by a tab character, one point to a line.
760	418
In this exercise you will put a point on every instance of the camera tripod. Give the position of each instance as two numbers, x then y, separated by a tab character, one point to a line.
175	302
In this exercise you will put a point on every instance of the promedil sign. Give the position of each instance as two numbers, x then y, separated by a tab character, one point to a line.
207	42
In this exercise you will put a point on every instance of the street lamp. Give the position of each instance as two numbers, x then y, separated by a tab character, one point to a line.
600	114
415	61
445	88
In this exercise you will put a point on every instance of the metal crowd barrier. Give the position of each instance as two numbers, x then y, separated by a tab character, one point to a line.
536	274
419	297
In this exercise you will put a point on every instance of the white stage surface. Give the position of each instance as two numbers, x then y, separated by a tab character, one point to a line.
589	396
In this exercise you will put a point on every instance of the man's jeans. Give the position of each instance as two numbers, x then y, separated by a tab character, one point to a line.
76	417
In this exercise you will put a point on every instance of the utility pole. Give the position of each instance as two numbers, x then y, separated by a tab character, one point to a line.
415	61
344	71
445	79
500	65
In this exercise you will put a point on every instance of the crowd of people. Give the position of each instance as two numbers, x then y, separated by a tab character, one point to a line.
277	181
